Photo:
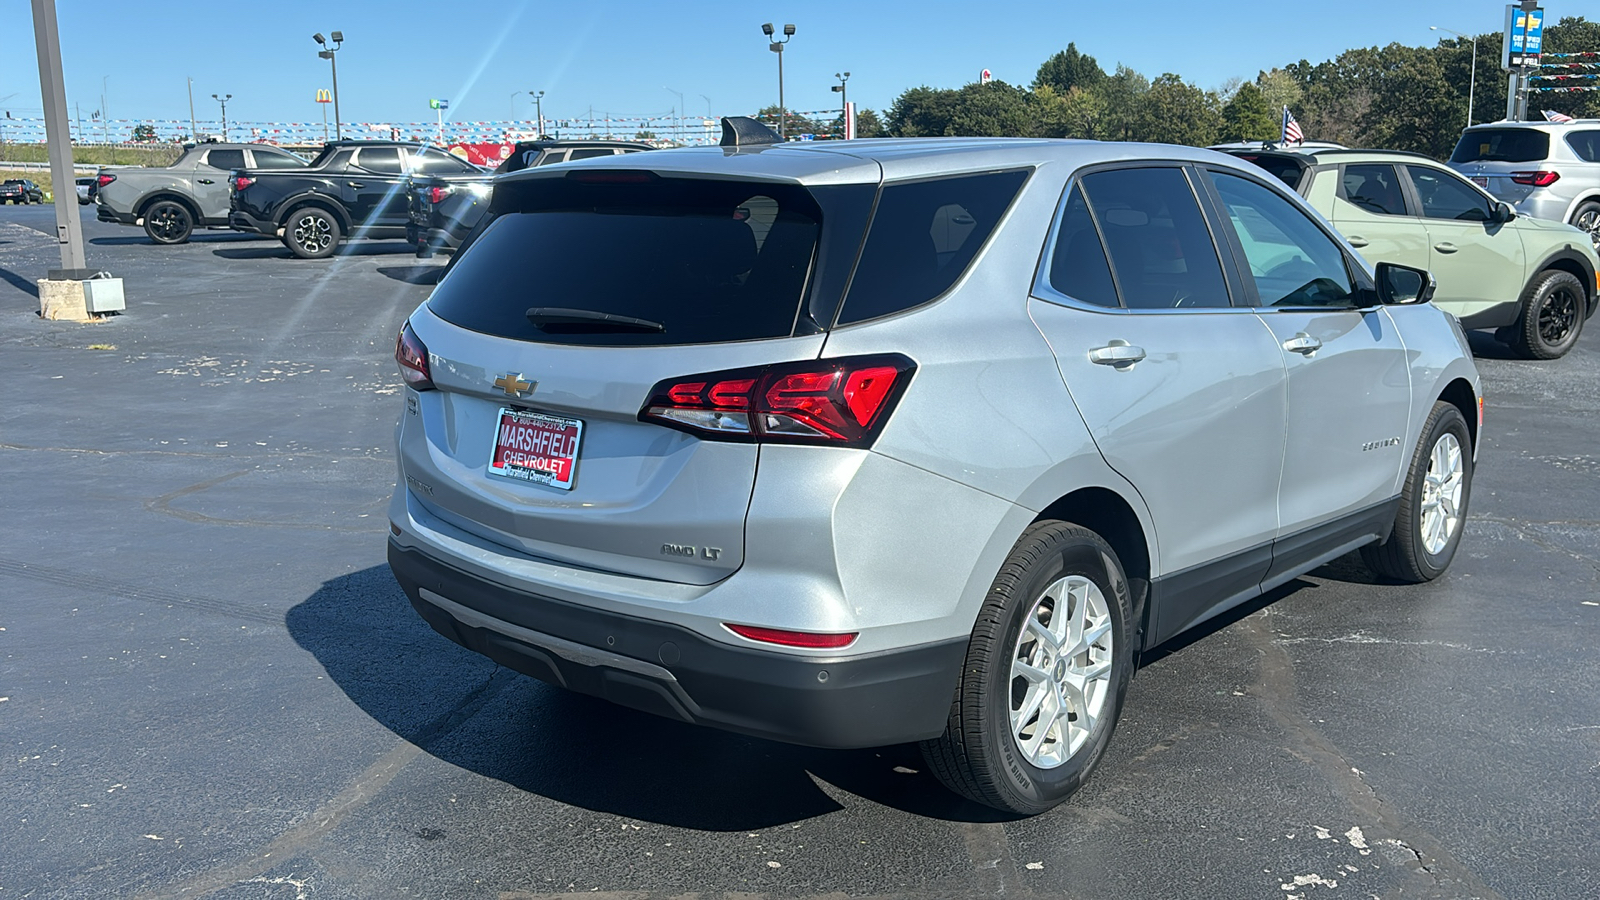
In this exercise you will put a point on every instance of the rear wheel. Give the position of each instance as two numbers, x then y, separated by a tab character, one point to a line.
1433	503
311	233
1587	218
1552	316
168	222
1046	670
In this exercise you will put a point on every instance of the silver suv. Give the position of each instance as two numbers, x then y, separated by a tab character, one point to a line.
1547	170
850	444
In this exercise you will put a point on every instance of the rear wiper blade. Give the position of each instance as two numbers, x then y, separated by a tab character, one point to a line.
552	319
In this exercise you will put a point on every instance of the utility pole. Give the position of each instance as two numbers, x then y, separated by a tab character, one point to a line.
69	229
224	101
194	128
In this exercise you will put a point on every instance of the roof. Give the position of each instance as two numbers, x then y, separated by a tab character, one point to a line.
1340	155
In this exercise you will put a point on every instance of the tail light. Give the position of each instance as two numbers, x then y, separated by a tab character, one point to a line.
437	194
240	182
839	402
103	180
412	355
1537	179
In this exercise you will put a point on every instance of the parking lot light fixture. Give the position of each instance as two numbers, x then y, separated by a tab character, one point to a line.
327	54
776	46
223	99
1472	83
844	101
538	103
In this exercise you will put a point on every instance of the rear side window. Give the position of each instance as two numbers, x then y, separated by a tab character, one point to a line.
707	261
1078	266
1286	170
433	162
1160	247
383	160
923	235
1502	145
590	153
1374	188
1586	144
552	157
225	159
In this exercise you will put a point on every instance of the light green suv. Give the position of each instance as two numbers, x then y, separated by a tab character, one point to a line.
1532	280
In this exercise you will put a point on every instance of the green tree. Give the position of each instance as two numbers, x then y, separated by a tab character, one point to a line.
794	122
144	133
1247	117
1174	111
1279	89
1413	105
1067	70
869	124
1078	113
1121	96
994	109
922	112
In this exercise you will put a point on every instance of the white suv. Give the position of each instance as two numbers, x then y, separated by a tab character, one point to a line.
1547	170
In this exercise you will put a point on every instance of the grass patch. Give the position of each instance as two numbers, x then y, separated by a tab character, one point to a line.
131	155
40	177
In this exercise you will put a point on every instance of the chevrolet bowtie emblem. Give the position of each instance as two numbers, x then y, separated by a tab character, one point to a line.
514	385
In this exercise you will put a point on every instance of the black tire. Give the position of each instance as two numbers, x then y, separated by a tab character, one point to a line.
168	222
978	755
1553	310
1587	218
311	232
1406	554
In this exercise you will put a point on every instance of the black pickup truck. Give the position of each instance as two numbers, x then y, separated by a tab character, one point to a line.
445	208
353	189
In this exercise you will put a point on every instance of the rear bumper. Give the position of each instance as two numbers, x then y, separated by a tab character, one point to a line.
867	701
243	221
107	214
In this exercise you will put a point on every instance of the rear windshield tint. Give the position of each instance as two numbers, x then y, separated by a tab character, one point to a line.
709	261
1286	170
1586	144
924	235
1502	145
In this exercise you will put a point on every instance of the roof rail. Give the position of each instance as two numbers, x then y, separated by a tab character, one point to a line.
1372	150
743	131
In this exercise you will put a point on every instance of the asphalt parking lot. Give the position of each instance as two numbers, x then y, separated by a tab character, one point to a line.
210	685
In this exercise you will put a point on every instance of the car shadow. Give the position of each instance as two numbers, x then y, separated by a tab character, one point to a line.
580	750
277	251
413	274
1198	633
1484	346
18	282
141	238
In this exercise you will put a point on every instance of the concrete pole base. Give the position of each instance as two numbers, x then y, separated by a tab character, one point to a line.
60	300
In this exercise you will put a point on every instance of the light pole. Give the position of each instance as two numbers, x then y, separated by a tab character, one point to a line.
224	101
680	111
538	103
1473	83
193	128
327	54
844	101
776	46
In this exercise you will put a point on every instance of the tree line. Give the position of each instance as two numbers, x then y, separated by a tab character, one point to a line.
1394	97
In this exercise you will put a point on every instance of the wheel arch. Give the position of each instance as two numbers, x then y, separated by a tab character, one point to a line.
326	204
1106	513
1576	264
1460	394
154	197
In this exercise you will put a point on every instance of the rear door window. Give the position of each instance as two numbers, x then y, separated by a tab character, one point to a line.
1161	249
1078	265
1502	145
923	236
1373	188
706	261
1586	144
382	160
267	159
225	159
435	162
1444	196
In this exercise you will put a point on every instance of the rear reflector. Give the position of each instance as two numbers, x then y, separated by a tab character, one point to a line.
806	639
412	356
1537	179
841	402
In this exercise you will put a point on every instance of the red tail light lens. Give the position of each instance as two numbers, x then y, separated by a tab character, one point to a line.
808	639
412	356
436	194
241	182
843	402
103	180
1537	179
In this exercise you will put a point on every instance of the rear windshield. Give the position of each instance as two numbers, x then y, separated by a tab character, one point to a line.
1282	168
1502	145
707	261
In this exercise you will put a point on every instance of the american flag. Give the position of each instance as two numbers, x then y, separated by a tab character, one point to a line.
1291	128
1551	115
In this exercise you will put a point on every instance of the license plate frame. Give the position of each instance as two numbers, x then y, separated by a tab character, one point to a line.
536	448
1481	181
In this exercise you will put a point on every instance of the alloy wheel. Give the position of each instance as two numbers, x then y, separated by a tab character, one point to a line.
1590	222
312	233
1442	488
1558	315
1061	671
168	223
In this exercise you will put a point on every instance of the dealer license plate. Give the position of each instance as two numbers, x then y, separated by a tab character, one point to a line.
536	447
1481	181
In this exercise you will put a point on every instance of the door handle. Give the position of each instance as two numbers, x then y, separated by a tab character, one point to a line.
1302	343
205	181
1119	354
1357	241
1445	247
356	184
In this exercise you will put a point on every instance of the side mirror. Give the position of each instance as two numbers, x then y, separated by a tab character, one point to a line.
1401	285
1503	212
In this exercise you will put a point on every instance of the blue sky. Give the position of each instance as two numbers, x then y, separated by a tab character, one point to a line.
623	57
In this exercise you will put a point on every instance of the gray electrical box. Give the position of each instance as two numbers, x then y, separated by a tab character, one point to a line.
103	295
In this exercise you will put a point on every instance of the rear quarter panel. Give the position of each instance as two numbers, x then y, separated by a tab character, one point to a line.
1438	356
